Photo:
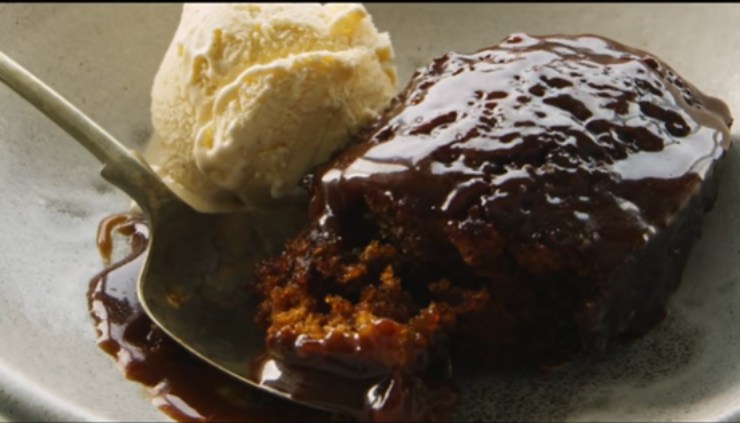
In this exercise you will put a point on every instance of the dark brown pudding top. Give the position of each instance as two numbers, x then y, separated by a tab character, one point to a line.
579	142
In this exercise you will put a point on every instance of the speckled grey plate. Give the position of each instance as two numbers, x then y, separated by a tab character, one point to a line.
103	57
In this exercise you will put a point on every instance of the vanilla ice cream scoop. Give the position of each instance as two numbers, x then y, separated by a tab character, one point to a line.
249	97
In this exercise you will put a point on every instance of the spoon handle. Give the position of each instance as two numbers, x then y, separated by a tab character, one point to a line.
122	166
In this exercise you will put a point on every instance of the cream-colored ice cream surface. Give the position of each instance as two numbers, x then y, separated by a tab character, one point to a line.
250	97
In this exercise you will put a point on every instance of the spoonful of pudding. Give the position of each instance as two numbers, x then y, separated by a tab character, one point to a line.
234	134
192	284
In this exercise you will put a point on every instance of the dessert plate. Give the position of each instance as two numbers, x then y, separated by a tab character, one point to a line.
104	57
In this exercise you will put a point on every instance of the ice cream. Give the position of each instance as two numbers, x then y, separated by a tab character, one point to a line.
249	97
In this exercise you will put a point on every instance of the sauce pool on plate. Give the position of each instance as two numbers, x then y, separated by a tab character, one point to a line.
181	385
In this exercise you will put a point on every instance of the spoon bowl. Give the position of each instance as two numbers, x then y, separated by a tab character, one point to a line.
195	281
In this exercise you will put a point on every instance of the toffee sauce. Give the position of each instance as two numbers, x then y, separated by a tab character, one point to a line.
563	140
180	385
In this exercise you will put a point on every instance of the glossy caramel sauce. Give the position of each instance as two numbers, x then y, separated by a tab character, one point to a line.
182	386
571	141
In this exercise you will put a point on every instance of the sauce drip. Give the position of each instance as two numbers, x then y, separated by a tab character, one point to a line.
182	386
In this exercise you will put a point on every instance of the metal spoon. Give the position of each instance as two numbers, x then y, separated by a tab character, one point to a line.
193	284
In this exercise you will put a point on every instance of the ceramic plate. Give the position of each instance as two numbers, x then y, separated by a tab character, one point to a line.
103	58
